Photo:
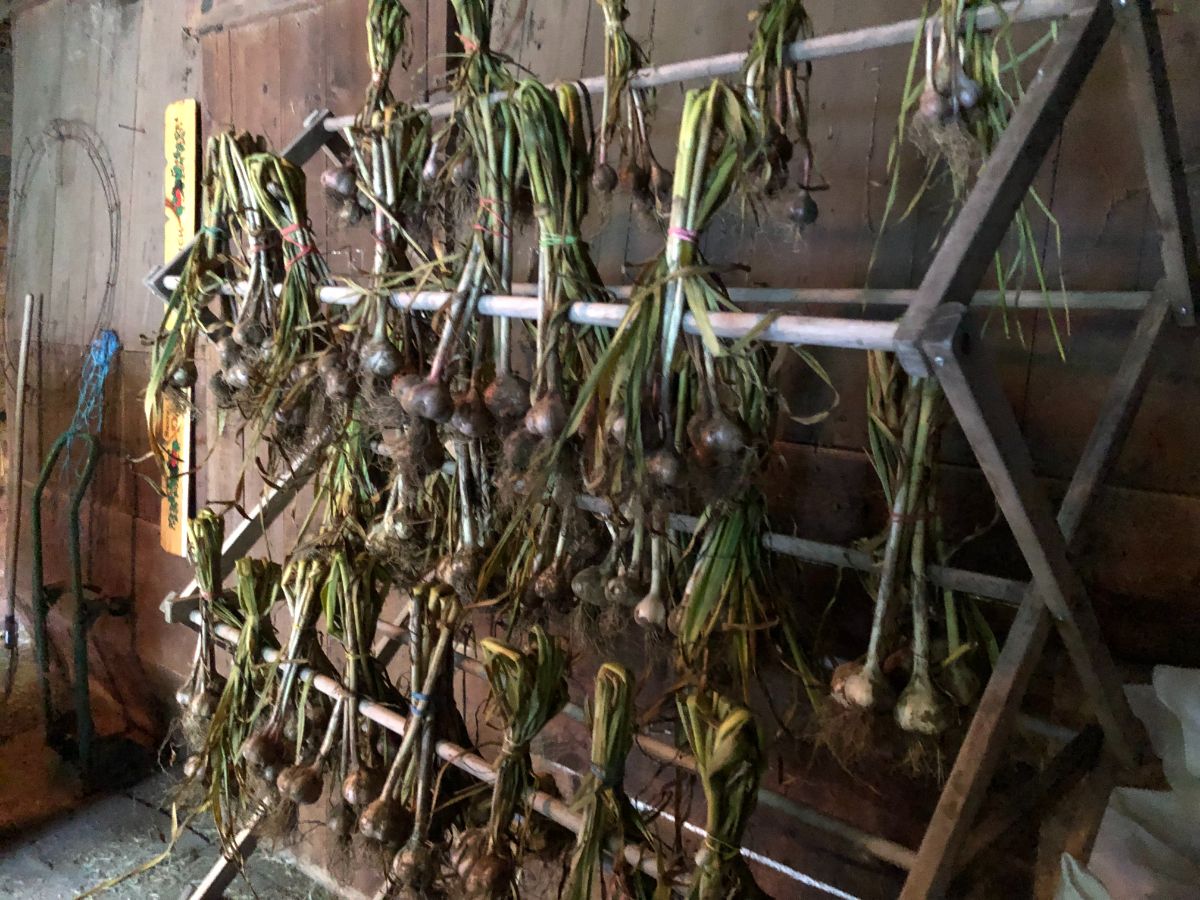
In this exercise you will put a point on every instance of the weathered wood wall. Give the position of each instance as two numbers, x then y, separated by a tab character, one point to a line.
104	72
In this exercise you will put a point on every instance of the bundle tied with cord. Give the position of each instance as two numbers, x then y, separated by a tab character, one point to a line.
776	93
728	747
435	617
528	688
534	550
218	768
649	182
724	393
608	815
199	695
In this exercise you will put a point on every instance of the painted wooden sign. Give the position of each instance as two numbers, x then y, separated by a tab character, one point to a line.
182	208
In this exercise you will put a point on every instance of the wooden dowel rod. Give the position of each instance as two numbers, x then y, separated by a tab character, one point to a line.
1126	301
16	452
875	37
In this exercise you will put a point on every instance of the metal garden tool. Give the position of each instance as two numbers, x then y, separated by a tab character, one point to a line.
89	604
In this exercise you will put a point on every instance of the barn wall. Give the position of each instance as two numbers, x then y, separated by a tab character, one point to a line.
90	83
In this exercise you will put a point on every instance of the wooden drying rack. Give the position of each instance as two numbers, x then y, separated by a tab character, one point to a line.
938	334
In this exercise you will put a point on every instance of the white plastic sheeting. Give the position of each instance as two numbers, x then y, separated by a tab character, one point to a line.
1148	845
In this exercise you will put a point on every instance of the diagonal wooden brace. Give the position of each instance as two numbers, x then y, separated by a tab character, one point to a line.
1154	114
983	747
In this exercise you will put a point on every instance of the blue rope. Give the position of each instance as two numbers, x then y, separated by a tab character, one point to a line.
89	411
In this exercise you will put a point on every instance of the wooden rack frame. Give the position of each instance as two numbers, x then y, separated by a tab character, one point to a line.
938	336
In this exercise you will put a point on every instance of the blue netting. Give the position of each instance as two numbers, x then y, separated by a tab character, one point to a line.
89	411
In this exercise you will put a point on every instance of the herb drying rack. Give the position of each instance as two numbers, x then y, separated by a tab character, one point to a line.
933	330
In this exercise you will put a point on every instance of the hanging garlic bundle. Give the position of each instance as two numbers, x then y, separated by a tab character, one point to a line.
266	749
245	339
777	97
434	619
298	330
730	759
484	158
528	689
962	86
608	815
903	444
732	408
172	358
390	143
556	160
649	182
248	683
199	695
955	115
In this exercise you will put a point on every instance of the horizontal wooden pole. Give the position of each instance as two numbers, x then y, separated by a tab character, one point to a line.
1076	301
876	37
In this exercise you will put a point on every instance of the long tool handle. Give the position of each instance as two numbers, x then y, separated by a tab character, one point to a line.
17	454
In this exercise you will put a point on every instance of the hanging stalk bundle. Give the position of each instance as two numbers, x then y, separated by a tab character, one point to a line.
725	388
387	35
249	683
730	760
608	815
903	426
266	749
649	182
535	550
198	697
962	86
434	619
955	114
480	140
777	96
172	359
529	688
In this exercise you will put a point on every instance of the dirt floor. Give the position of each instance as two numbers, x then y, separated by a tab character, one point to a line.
57	843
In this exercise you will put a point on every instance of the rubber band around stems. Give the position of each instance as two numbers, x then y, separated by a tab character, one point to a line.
500	233
905	518
303	248
558	240
684	234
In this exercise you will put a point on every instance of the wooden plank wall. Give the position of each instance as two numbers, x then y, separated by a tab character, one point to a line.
114	69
